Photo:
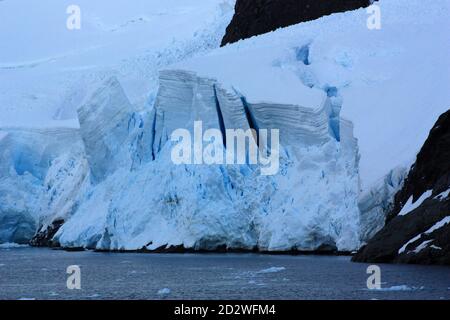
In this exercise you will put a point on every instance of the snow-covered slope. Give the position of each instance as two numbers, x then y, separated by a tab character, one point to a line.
46	70
394	82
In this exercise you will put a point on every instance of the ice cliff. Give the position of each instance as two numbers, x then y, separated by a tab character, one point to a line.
158	204
41	173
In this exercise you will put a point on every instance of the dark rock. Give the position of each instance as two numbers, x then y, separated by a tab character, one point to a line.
431	171
255	17
432	168
44	238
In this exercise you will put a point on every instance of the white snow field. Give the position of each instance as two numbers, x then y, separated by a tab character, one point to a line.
353	107
46	69
394	82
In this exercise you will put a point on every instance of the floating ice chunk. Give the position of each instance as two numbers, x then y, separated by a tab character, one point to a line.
400	288
272	270
10	245
164	292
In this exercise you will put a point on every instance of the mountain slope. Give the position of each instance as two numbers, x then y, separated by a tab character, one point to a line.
255	17
418	229
46	70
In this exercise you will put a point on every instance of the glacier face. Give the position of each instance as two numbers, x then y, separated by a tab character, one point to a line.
157	204
41	172
375	203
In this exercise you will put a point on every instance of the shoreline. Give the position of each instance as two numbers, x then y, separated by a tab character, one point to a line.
182	250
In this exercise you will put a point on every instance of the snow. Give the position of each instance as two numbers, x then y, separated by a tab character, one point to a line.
435	227
422	246
439	225
46	70
411	206
403	248
392	81
442	196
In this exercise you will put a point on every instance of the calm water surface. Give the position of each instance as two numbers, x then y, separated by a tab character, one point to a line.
32	273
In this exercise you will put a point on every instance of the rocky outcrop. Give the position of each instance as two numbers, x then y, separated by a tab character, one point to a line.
44	238
255	17
418	227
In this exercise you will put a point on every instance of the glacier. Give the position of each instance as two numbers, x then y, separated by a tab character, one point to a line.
158	204
41	173
90	166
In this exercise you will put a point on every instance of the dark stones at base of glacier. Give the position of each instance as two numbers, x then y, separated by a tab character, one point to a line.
418	226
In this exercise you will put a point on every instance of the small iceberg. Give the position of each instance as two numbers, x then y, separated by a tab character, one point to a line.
272	270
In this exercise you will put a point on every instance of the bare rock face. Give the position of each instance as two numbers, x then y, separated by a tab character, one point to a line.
255	17
421	234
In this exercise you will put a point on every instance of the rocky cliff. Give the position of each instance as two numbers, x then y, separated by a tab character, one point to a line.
255	17
418	227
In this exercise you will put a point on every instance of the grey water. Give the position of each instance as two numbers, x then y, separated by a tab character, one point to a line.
35	273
